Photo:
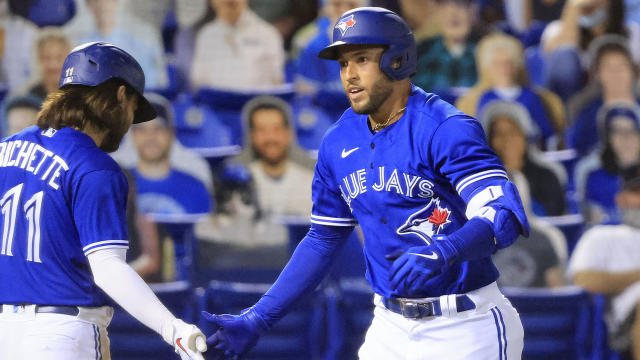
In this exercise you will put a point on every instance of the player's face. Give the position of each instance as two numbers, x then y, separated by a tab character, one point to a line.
508	141
113	138
366	86
153	140
270	138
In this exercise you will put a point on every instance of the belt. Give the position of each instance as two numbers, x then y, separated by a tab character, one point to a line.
45	309
416	309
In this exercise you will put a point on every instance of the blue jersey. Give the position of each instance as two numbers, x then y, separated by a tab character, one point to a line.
61	199
406	183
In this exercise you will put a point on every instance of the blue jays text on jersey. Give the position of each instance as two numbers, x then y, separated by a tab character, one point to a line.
406	183
61	199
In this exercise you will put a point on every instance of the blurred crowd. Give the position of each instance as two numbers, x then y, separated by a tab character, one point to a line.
243	102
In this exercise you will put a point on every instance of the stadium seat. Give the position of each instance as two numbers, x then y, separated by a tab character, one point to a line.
558	323
572	226
298	335
197	126
350	312
130	340
311	123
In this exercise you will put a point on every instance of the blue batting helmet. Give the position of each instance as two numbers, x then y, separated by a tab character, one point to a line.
93	63
377	26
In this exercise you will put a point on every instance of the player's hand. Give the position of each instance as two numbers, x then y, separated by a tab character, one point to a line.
411	269
187	340
236	334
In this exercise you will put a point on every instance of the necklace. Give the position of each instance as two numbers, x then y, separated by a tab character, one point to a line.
379	126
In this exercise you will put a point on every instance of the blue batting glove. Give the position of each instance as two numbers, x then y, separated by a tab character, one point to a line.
236	334
412	268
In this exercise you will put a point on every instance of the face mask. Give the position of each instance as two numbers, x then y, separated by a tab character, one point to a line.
594	19
631	217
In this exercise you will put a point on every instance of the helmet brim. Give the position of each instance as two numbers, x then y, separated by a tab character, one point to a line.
331	52
145	111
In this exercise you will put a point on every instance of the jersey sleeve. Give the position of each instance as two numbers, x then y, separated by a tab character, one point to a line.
460	153
329	205
99	210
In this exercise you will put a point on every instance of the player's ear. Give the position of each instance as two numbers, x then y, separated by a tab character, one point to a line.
122	93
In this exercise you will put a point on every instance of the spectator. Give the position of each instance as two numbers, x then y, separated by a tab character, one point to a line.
109	21
536	261
510	131
20	113
161	187
598	175
52	47
238	50
566	41
446	61
16	53
280	175
605	261
421	15
614	81
313	74
544	10
144	253
503	76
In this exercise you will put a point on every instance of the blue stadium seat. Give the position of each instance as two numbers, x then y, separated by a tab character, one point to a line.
298	335
558	323
311	123
197	126
132	340
535	65
350	312
572	226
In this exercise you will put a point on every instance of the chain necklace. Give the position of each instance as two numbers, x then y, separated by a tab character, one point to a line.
379	126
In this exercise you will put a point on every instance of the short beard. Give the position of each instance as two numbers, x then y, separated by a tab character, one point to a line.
380	92
113	138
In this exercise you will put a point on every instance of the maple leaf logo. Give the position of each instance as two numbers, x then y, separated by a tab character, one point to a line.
439	217
346	23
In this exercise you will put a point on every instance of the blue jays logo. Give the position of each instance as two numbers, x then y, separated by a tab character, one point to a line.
346	23
427	221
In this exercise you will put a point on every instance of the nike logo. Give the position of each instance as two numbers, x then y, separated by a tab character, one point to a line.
346	153
180	345
432	256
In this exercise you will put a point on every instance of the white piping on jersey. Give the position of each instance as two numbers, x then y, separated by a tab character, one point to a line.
106	242
326	220
462	184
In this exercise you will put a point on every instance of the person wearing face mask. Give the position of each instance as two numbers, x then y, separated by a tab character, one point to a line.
565	41
605	261
597	176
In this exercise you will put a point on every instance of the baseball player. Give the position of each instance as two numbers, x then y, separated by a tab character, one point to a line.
433	201
63	221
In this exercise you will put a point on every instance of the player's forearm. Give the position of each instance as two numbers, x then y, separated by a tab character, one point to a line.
126	287
607	283
309	264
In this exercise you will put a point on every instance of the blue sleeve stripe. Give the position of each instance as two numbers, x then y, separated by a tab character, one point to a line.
462	184
101	244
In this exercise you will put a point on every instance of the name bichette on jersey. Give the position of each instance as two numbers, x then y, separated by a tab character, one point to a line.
35	159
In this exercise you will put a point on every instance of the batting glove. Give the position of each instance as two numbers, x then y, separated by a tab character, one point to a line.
411	269
187	340
237	334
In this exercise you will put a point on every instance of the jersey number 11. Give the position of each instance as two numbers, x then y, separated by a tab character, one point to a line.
32	208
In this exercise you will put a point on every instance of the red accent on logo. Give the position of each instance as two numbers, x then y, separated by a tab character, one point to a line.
180	345
439	217
350	22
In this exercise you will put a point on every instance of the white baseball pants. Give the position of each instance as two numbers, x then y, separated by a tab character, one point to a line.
492	331
26	335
